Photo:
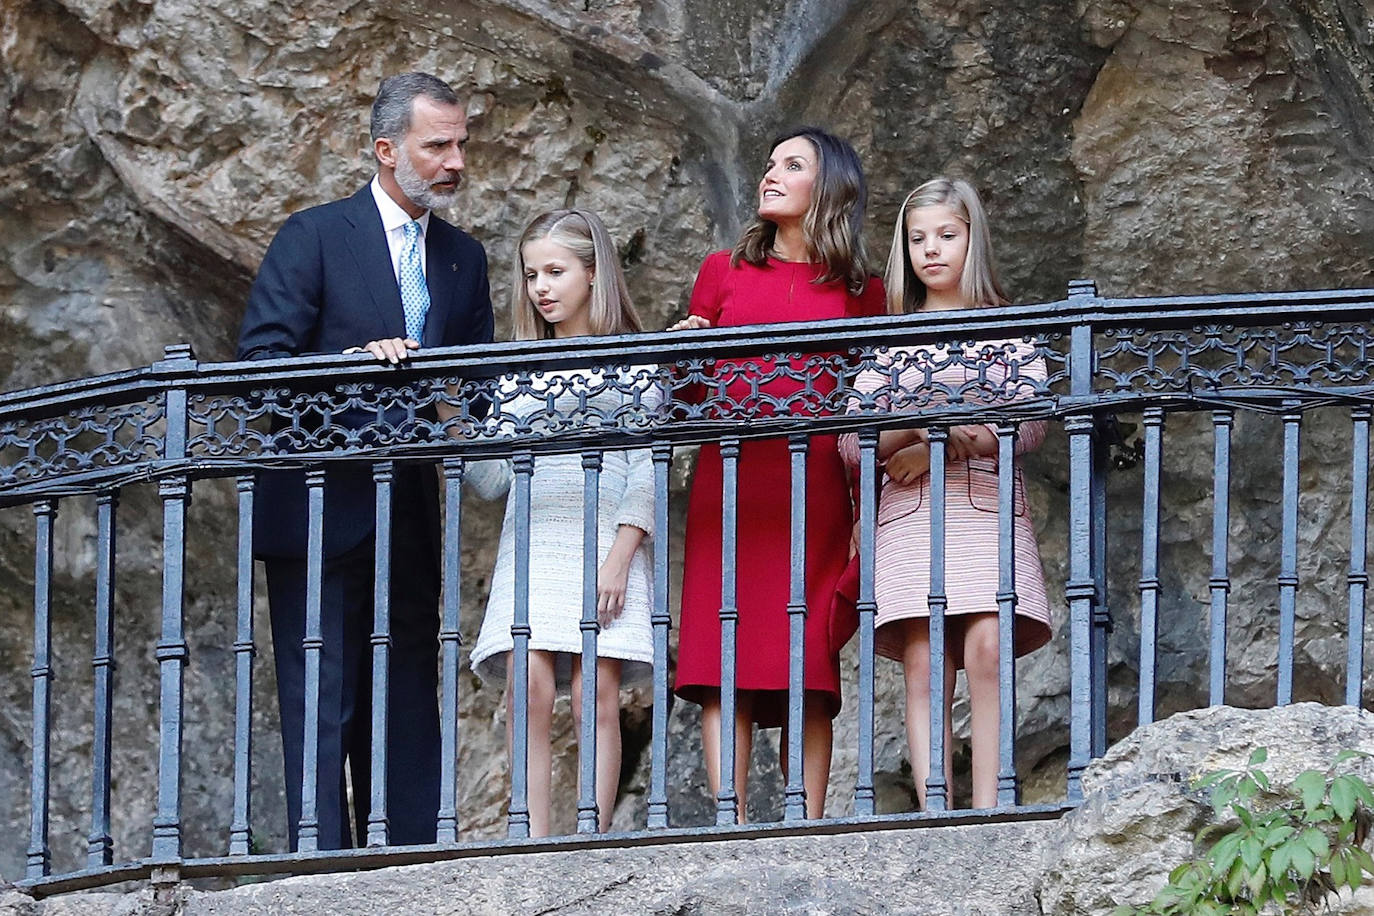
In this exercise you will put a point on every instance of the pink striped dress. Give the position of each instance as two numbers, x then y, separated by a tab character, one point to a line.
983	372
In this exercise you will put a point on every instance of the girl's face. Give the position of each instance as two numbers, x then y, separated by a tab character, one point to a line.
937	243
559	286
785	190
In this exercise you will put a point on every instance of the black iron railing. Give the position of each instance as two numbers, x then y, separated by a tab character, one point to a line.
1075	362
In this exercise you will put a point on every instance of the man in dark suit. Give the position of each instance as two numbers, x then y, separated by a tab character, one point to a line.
375	272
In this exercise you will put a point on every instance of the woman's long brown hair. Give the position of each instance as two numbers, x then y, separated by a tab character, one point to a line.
833	225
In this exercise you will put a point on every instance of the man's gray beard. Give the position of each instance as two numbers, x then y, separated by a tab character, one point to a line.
416	190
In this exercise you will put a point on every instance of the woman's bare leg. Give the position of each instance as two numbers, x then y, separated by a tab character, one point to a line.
744	743
818	739
607	732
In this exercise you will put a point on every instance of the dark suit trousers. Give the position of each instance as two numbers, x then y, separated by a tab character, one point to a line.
346	610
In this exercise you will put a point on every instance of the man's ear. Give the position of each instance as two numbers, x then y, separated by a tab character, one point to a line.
385	151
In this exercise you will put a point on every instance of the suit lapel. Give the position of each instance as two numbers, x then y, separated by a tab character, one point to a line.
367	242
441	276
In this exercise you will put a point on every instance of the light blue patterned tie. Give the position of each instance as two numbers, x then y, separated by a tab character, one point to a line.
414	292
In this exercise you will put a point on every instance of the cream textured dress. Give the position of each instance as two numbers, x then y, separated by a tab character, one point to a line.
626	497
985	372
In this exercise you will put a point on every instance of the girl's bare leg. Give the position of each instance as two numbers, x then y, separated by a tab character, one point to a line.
540	725
607	732
744	743
980	666
916	669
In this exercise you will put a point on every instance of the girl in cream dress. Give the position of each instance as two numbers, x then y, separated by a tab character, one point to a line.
569	283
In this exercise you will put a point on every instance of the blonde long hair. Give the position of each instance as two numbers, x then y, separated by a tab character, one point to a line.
978	283
834	223
582	233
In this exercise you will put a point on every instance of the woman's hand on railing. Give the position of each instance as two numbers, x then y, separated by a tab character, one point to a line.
691	323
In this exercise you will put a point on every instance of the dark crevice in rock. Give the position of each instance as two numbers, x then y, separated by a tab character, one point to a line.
636	743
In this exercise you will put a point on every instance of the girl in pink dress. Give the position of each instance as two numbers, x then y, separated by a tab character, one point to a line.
941	259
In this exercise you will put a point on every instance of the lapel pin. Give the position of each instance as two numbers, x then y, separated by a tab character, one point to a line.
453	267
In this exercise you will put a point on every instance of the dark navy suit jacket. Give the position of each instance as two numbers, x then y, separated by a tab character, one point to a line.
327	284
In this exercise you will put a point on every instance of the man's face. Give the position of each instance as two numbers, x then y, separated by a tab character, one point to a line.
429	159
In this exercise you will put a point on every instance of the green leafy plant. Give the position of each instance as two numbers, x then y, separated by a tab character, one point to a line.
1268	850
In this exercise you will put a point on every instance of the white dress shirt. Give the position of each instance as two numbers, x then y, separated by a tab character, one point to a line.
393	224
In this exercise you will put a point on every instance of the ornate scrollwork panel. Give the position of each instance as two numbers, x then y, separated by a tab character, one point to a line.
1293	354
86	438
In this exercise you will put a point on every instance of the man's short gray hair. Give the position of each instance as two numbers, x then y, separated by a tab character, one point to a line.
395	100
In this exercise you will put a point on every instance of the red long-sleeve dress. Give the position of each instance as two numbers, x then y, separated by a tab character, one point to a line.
728	296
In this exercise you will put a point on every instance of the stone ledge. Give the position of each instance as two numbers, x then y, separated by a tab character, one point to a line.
972	870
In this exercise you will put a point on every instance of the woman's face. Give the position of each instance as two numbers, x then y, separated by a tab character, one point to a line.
937	243
788	179
559	286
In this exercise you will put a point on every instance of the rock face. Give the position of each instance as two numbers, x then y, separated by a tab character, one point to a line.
1139	812
149	151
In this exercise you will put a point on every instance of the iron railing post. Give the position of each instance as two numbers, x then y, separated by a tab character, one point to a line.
1153	421
241	830
378	822
794	807
1288	552
588	814
39	854
1357	581
661	620
172	652
1081	589
1219	585
1008	786
1102	615
865	795
450	640
100	845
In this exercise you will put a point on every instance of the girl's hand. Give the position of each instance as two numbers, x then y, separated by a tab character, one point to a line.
891	440
909	465
614	575
611	583
969	441
691	323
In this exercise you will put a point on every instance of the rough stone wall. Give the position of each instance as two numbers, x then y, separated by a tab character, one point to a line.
150	150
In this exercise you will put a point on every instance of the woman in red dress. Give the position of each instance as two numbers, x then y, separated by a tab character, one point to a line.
802	259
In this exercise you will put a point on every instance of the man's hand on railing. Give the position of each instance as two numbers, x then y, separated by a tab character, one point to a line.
691	323
390	349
